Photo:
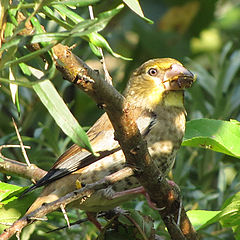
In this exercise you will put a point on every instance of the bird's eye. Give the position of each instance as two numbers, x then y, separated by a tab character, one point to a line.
153	72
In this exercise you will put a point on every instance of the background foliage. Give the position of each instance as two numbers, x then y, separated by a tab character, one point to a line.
202	34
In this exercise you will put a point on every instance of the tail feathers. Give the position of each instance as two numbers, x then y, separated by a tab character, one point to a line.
27	190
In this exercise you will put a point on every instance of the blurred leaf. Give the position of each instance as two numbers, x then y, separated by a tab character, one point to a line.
133	225
217	135
235	100
202	218
224	52
175	18
135	7
61	114
205	79
231	70
145	223
204	16
11	51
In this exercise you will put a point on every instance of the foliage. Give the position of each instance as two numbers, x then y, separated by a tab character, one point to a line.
203	34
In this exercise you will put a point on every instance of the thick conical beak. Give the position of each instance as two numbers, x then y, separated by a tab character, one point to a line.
178	78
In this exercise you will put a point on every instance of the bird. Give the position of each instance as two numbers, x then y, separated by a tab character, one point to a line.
156	90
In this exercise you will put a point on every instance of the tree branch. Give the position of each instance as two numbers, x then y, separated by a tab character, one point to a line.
10	166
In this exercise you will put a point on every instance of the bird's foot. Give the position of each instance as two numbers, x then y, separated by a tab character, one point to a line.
138	190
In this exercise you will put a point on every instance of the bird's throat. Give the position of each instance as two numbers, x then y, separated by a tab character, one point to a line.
173	98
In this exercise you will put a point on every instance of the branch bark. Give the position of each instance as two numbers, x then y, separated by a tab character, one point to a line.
10	166
165	195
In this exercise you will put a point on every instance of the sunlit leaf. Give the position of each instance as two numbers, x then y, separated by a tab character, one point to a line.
99	41
135	7
217	135
11	207
6	190
79	3
202	218
61	114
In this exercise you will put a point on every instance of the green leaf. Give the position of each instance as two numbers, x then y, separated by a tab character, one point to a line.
6	190
8	30
205	79
49	13
25	69
10	54
86	24
217	135
99	41
74	3
144	222
14	87
61	114
20	83
79	3
135	7
224	53
202	218
232	70
48	54
67	13
13	207
30	55
228	217
94	38
230	213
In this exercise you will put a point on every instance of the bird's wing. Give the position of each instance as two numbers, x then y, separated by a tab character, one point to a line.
101	136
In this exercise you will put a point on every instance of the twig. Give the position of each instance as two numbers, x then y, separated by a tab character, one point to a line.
137	226
65	215
11	166
21	144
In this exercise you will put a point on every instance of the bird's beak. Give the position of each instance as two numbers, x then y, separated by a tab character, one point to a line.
178	77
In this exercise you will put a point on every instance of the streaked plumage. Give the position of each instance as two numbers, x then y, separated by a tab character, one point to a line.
156	90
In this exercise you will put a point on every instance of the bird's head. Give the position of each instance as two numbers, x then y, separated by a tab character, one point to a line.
159	81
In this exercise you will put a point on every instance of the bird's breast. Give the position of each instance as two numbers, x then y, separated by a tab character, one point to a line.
166	136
